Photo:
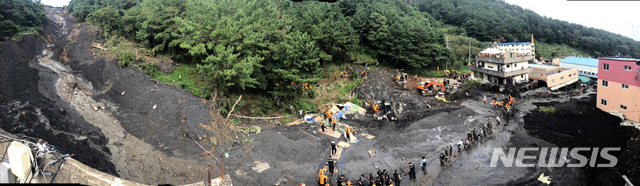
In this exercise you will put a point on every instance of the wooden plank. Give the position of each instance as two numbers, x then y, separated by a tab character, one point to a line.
329	132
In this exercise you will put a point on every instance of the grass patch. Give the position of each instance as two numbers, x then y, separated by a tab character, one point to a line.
183	77
26	31
547	110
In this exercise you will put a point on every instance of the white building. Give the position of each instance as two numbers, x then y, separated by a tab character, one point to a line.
522	48
502	68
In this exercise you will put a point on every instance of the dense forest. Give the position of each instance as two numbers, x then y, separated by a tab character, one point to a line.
270	47
265	46
490	20
17	15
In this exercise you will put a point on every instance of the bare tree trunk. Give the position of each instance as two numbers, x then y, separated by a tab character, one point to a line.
233	107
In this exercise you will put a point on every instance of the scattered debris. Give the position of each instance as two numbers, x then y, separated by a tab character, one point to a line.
367	136
343	144
544	179
261	167
372	152
122	93
154	106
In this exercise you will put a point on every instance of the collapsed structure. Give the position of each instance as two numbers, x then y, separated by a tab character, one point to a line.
502	68
552	76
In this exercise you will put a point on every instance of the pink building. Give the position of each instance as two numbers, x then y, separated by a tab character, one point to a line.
619	86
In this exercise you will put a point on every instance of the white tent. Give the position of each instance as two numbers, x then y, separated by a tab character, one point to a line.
491	51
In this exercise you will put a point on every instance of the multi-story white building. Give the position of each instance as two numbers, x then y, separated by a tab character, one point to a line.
502	67
522	48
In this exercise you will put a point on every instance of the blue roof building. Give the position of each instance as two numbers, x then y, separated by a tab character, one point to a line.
516	43
586	66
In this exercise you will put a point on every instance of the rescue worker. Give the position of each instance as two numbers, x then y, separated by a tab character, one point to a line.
469	136
322	179
371	179
323	124
341	180
423	165
442	158
467	144
473	132
331	163
335	76
451	147
333	148
347	133
485	99
334	123
376	108
412	171
459	144
396	178
385	177
361	181
446	152
484	131
495	97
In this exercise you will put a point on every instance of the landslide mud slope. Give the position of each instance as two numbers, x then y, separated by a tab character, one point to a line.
151	127
29	105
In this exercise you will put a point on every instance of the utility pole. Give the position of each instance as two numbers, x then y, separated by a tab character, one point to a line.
469	60
446	67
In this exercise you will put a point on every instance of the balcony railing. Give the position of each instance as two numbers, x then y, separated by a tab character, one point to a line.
498	73
501	60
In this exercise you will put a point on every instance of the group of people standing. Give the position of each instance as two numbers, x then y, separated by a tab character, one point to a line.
474	135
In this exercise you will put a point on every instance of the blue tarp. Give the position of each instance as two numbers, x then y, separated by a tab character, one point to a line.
340	114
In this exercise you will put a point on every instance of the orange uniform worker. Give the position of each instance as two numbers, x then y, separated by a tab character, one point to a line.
348	133
322	179
333	121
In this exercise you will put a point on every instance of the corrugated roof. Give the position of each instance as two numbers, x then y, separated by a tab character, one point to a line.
518	43
581	61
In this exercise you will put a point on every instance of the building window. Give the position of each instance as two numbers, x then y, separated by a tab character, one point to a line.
521	76
573	74
605	83
627	68
515	65
569	75
553	80
605	66
625	86
507	66
603	102
623	107
562	77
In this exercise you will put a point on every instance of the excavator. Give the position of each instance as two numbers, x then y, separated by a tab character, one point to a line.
441	97
384	112
426	88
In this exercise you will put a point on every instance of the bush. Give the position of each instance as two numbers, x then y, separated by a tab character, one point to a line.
471	84
126	58
547	110
303	105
